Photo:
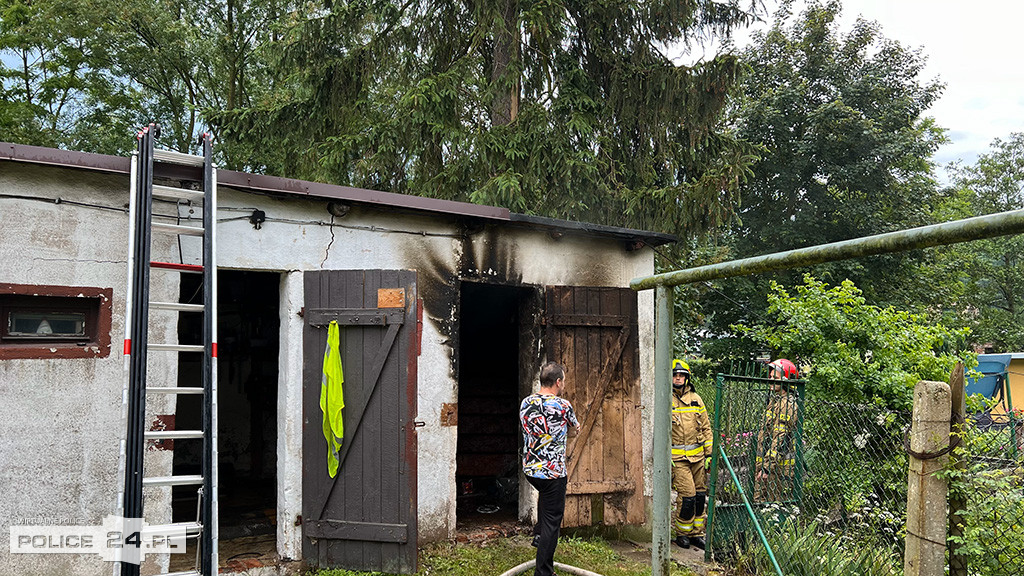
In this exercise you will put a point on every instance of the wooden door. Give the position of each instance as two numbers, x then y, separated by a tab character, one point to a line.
365	517
593	332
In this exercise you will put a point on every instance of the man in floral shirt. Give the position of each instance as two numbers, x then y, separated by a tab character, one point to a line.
545	420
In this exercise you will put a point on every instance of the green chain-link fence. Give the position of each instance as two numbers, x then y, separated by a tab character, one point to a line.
991	490
826	480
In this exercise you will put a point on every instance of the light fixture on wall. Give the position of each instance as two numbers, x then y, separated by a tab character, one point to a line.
338	209
257	219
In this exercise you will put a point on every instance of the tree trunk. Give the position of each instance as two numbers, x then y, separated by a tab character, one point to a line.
505	106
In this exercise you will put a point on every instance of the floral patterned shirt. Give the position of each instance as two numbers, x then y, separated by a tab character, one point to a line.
545	419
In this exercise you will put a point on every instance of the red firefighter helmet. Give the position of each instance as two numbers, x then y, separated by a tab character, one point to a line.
785	368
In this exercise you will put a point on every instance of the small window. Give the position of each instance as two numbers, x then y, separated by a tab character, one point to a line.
46	325
54	321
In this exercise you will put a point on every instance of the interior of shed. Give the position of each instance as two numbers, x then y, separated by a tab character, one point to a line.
493	319
247	375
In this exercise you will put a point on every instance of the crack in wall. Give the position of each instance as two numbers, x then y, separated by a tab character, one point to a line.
81	260
327	252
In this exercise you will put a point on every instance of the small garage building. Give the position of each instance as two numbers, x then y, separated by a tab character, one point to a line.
484	297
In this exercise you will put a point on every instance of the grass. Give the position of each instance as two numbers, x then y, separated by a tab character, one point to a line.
496	556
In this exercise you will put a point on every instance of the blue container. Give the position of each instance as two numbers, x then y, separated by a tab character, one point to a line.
994	367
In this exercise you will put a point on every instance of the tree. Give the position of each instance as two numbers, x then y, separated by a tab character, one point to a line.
982	282
561	108
86	74
55	86
846	152
855	351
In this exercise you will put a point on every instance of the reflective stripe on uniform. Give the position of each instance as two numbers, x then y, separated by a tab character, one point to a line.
782	416
687	449
687	409
698	522
787	462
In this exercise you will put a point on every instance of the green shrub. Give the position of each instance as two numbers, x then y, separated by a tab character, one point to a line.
811	551
992	489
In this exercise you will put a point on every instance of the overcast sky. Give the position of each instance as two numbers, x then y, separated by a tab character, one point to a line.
976	48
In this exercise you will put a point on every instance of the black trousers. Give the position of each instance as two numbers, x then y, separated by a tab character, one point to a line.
550	508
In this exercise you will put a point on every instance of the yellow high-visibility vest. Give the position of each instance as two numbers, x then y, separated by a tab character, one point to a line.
332	398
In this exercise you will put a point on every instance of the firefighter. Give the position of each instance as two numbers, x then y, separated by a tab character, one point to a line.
776	457
691	445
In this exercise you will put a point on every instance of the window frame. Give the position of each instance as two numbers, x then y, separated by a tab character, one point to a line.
94	302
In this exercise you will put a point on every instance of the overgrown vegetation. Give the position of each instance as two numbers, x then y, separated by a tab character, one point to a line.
991	486
852	350
501	554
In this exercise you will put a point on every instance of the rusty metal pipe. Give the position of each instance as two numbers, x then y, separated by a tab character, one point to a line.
978	228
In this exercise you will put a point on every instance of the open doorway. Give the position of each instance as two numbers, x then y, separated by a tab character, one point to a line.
247	372
494	322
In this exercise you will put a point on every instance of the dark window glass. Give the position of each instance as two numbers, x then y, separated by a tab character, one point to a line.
32	324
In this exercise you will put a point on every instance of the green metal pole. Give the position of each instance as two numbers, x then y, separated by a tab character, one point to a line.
755	447
661	534
716	439
981	227
798	439
750	512
1013	420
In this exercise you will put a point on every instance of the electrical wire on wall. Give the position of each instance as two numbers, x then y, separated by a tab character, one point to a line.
178	218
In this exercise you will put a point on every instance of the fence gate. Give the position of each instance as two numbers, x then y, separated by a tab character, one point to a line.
820	476
365	517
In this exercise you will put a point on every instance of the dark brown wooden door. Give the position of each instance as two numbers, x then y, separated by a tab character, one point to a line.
365	517
593	332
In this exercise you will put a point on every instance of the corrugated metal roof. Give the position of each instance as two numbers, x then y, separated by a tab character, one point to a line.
289	186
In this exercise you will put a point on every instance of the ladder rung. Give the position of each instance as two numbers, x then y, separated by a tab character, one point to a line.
190	529
178	229
174	390
173	157
173	434
176	266
177	347
172	193
176	306
172	480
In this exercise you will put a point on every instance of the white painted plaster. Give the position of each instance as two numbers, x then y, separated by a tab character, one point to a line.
289	420
435	443
60	423
645	305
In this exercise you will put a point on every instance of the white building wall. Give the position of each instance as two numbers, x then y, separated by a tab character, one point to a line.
80	246
61	419
298	236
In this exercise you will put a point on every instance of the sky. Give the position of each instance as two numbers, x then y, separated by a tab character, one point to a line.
975	48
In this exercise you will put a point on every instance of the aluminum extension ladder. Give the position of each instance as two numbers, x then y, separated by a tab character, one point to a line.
137	347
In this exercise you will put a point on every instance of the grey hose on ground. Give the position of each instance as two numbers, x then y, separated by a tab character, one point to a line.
563	567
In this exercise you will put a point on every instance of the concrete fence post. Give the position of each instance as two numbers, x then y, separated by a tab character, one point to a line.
927	493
